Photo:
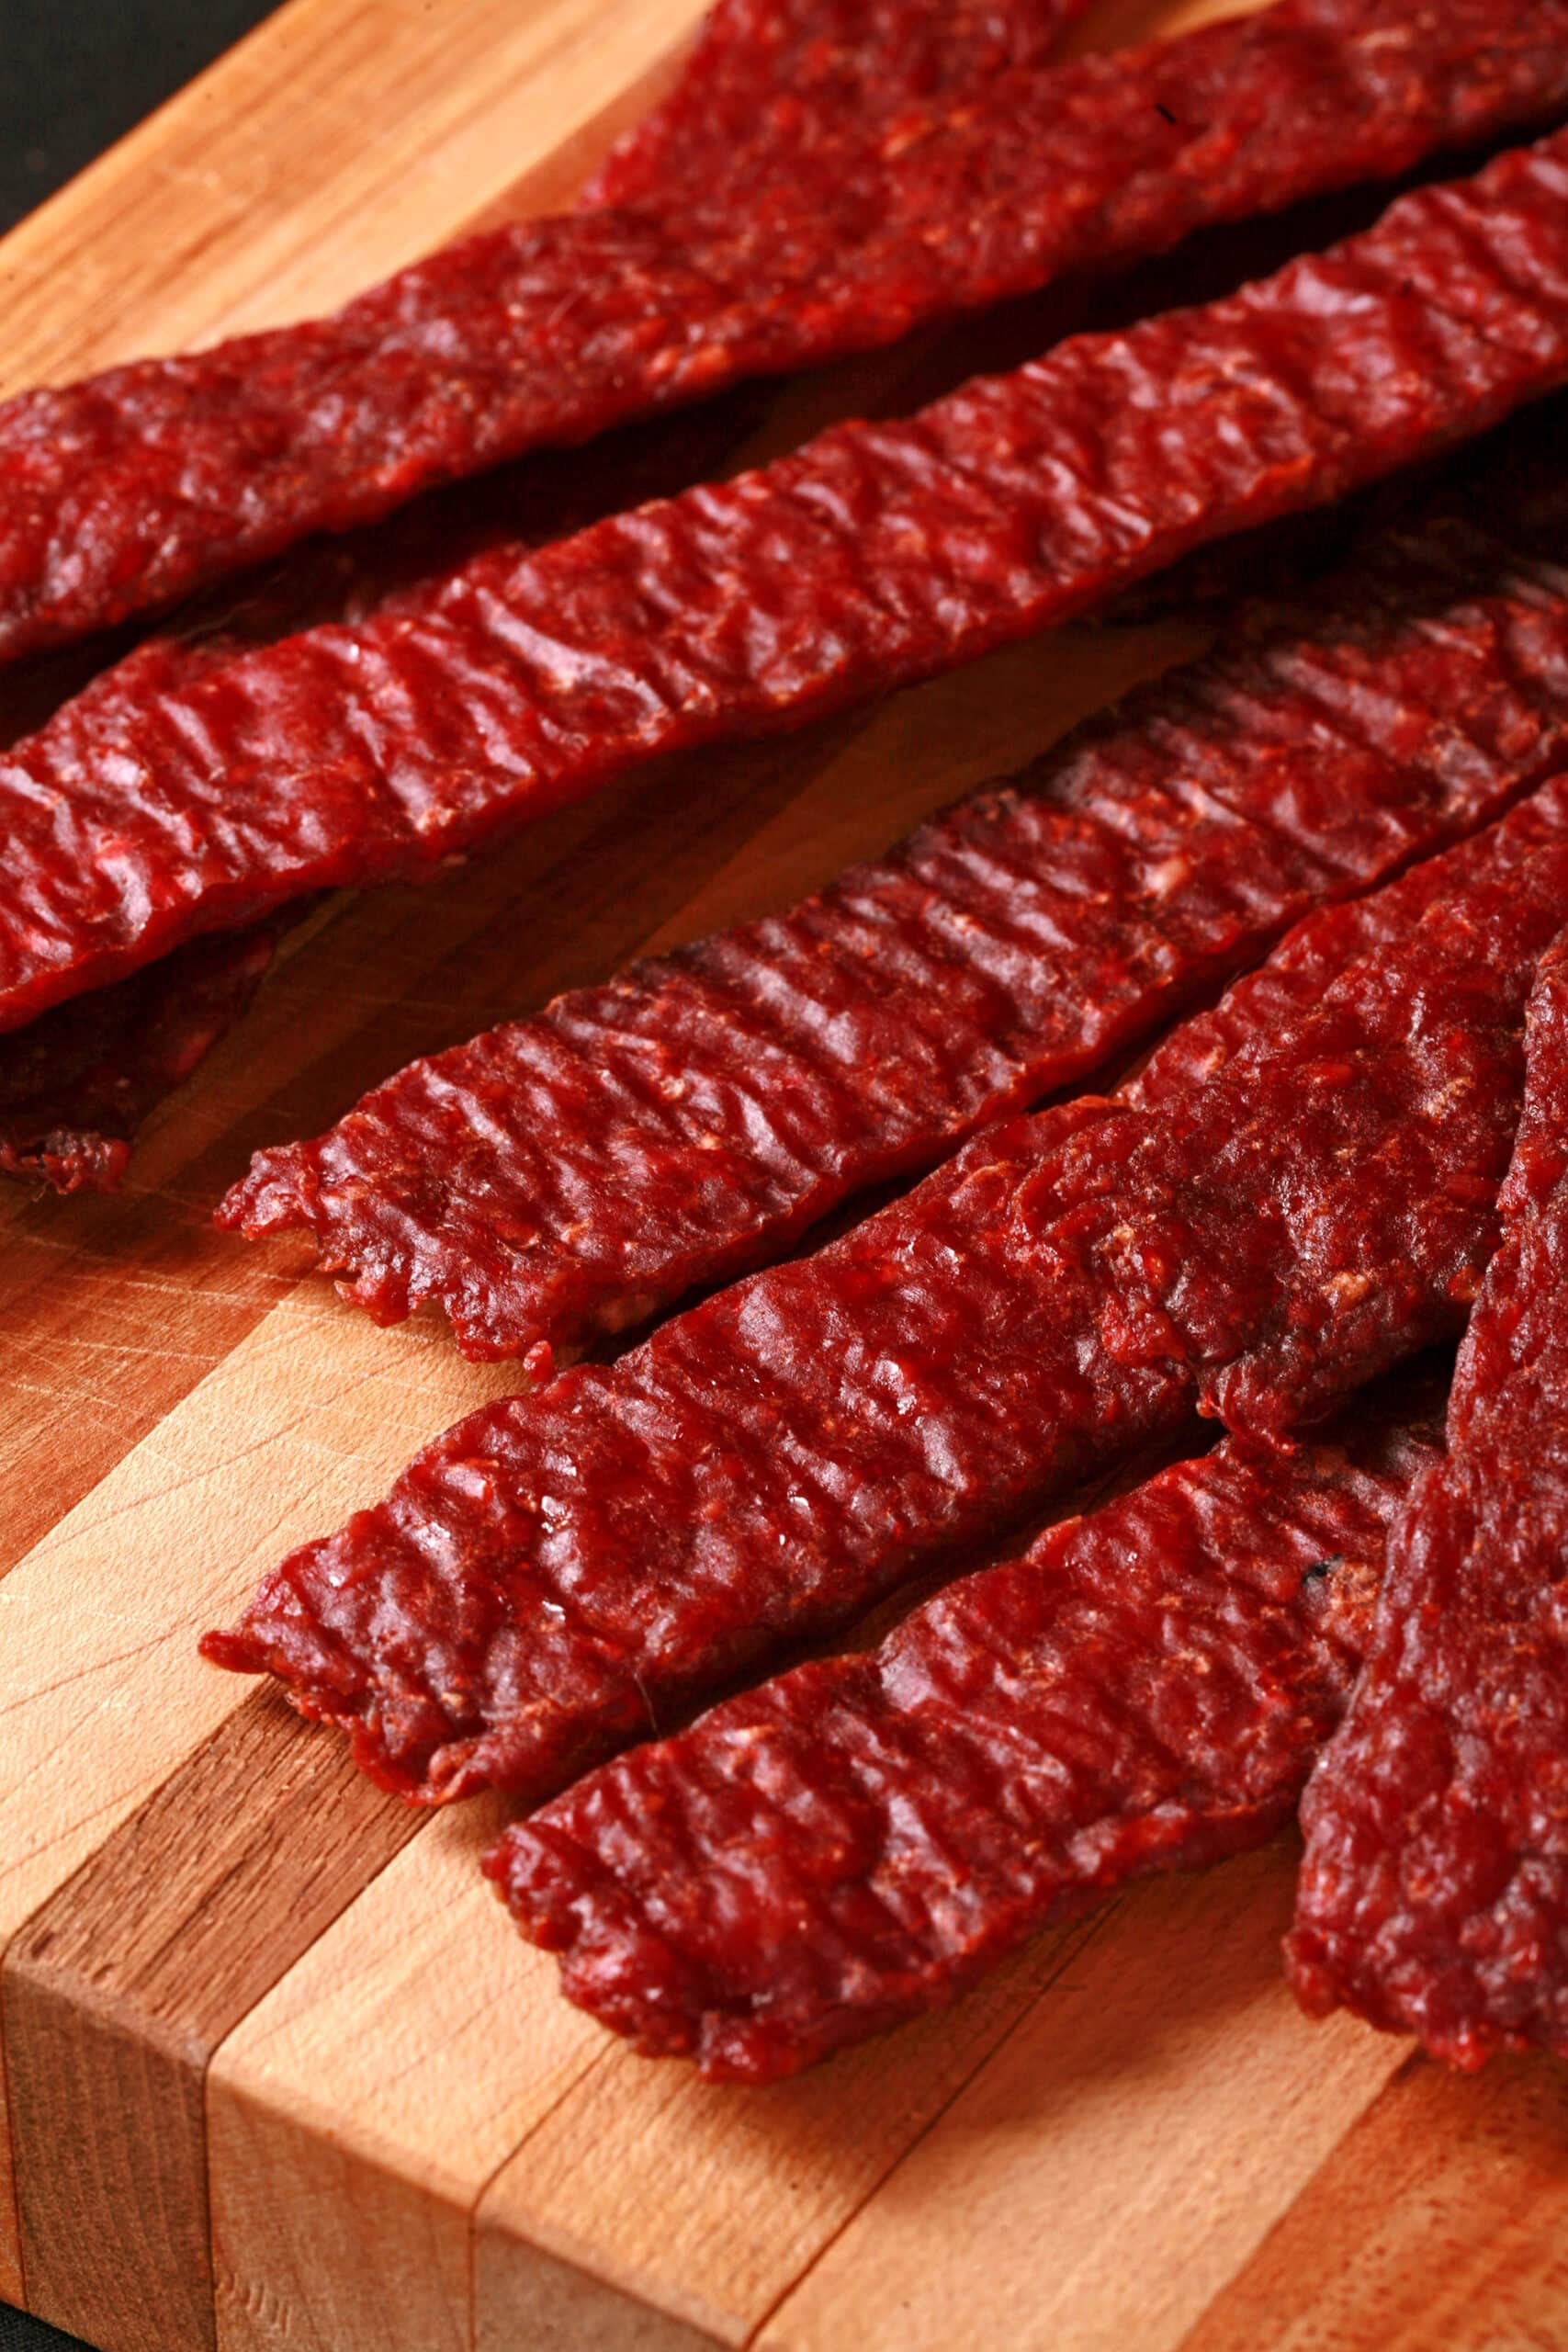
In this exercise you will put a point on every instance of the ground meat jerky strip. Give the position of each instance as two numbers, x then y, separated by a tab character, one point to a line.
139	485
563	1569
875	555
1434	1894
76	1083
1144	1689
803	81
562	1177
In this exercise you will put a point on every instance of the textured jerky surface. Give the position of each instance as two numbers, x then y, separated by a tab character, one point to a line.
777	87
1434	1893
561	1177
562	1568
136	486
1144	1689
876	554
76	1083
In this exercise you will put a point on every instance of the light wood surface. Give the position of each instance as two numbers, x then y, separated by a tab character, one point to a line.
276	2075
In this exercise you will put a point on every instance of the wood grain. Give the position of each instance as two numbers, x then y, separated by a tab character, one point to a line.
304	1419
120	1989
1438	2224
751	2186
337	142
277	2073
1171	2064
414	2046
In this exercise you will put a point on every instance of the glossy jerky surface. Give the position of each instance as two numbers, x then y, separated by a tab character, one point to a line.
1434	1891
76	1084
136	486
860	1839
875	555
560	1570
561	1177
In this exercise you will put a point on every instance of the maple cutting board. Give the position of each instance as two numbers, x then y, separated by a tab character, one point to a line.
276	2073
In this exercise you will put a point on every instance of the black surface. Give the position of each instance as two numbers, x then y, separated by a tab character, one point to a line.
20	2333
74	75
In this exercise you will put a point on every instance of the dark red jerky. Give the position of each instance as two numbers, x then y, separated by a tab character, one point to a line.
773	89
77	1083
1144	1689
1434	1893
875	555
140	485
562	1569
561	1177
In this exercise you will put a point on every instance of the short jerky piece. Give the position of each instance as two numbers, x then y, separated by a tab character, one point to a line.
876	554
562	1177
138	485
772	87
561	1569
1144	1689
1434	1894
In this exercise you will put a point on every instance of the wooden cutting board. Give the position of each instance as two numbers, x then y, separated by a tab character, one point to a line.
276	2073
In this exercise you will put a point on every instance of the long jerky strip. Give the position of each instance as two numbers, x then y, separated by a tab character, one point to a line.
148	481
875	555
754	98
1144	1689
774	86
1434	1893
136	486
561	1569
76	1083
561	1177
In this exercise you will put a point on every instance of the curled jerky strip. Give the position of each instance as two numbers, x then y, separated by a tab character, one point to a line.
875	555
1144	1689
561	1177
561	1568
137	486
1434	1892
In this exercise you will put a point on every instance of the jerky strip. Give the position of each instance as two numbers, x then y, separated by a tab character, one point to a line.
771	79
562	1177
76	1083
75	1086
1434	1893
562	1569
875	555
1144	1689
136	486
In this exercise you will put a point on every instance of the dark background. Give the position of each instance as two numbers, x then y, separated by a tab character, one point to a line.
74	75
